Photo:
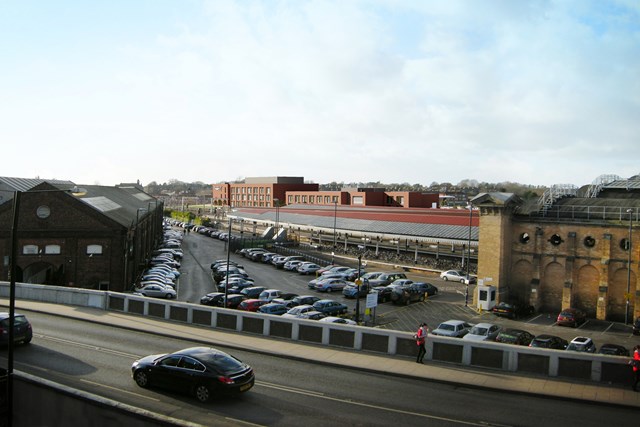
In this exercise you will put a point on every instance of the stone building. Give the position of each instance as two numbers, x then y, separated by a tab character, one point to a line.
93	237
572	248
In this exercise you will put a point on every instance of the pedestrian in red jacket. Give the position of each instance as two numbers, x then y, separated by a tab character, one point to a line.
636	367
421	339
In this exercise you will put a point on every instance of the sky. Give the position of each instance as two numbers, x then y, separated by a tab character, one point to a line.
391	91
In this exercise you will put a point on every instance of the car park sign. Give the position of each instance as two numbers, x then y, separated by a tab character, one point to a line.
372	299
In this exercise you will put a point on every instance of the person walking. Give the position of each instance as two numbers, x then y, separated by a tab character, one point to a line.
635	363
421	338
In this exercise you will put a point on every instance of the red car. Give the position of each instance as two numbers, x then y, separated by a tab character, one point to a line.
252	304
571	317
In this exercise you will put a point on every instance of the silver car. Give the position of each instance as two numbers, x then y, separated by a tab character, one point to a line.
156	291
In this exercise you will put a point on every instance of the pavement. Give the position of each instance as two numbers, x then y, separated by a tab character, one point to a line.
470	377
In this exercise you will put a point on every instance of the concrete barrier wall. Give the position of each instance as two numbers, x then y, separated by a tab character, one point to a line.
37	402
553	363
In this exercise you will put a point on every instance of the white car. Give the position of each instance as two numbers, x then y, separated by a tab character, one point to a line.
333	319
156	291
483	332
452	328
457	276
308	268
299	311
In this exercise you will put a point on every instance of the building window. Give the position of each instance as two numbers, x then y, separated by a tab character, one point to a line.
304	199
624	244
297	199
290	201
524	238
589	241
94	250
30	249
357	200
555	240
268	190
52	249
312	199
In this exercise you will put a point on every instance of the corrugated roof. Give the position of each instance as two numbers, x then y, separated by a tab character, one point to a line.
123	205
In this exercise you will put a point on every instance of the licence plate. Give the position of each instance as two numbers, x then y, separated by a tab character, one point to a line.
246	387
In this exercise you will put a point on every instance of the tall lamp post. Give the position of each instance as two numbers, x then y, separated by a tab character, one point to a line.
627	296
226	280
358	283
466	290
276	203
335	220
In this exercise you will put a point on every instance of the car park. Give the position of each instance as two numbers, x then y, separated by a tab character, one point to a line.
156	291
483	332
515	336
571	317
582	344
331	285
330	307
452	328
511	310
22	330
273	308
614	350
457	276
339	320
200	371
549	341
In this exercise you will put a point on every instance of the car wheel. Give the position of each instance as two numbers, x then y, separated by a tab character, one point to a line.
422	298
461	280
329	290
445	278
203	393
141	378
26	340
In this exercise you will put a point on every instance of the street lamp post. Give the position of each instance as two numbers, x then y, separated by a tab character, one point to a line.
466	291
335	220
358	282
276	203
226	280
626	311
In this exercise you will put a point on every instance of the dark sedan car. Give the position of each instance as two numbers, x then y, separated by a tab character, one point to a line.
304	300
212	298
406	294
200	371
512	310
614	350
330	307
22	331
549	341
514	336
233	300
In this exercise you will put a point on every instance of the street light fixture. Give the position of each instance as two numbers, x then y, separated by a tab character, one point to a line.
466	291
628	295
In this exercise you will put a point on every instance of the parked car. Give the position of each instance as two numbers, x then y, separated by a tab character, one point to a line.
308	268
200	371
457	276
251	304
233	300
452	328
156	291
514	336
292	265
22	330
429	289
340	320
406	294
312	315
274	308
384	279
511	310
549	341
212	299
304	300
582	344
330	307
336	269
352	291
384	293
571	317
269	294
252	291
280	262
298	311
312	283
331	285
614	350
483	332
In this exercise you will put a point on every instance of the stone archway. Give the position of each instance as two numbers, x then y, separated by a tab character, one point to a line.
585	291
616	301
520	287
43	273
551	287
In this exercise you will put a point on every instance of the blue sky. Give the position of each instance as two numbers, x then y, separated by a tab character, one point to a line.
536	92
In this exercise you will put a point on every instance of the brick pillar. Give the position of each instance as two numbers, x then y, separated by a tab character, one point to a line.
603	288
